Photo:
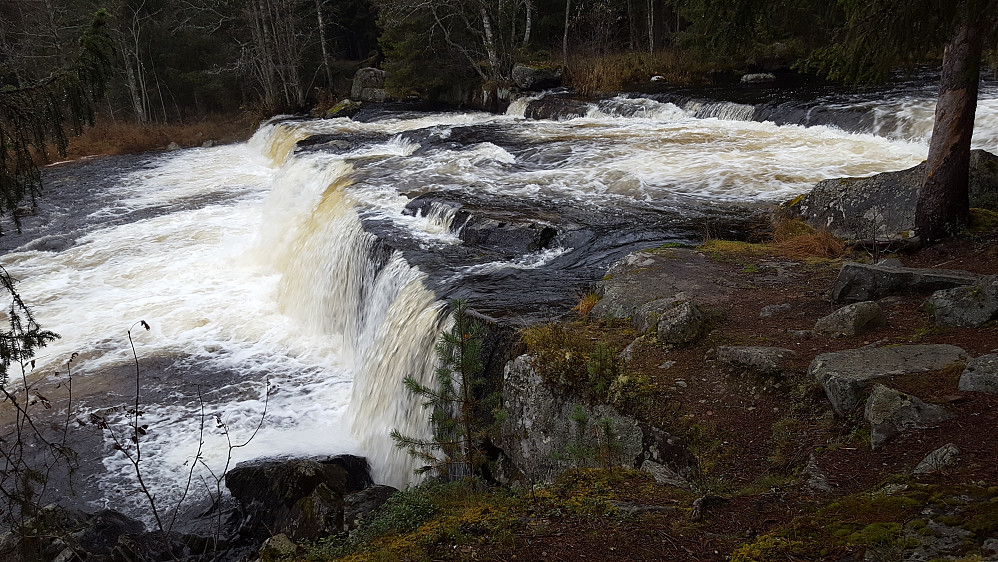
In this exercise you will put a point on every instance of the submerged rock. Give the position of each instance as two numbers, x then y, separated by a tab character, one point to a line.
882	207
890	412
859	282
852	319
844	375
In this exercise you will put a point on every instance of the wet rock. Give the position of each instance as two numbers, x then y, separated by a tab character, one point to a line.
775	310
545	433
208	144
890	412
357	505
844	375
681	324
981	375
762	359
173	146
536	77
556	108
968	306
882	207
314	516
852	319
344	108
943	457
369	85
858	282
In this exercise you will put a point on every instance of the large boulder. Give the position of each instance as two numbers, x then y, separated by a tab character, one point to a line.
302	498
891	412
981	375
369	85
852	319
681	324
643	277
536	77
545	433
845	375
968	306
859	282
882	207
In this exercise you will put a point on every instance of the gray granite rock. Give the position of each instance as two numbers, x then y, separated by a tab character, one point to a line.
645	318
890	412
882	207
858	282
844	375
681	324
968	306
536	77
543	426
943	457
852	319
369	85
767	360
643	277
775	310
981	375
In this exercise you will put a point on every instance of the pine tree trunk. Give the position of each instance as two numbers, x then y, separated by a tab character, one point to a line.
944	201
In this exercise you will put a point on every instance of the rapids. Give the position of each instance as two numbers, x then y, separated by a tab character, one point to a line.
319	255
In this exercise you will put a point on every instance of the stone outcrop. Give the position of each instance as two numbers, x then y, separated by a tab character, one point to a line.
852	319
301	498
356	505
981	375
644	277
882	207
762	359
969	306
890	412
369	85
859	282
528	77
545	433
845	375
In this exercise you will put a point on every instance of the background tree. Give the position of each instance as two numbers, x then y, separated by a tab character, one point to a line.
35	116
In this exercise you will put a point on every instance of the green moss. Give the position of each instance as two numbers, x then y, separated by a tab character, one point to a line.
793	202
983	220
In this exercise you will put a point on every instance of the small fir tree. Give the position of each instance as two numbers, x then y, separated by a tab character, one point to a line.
461	418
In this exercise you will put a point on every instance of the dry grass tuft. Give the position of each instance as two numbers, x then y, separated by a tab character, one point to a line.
586	303
795	239
127	137
593	74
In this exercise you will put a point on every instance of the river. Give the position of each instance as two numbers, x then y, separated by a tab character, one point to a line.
321	267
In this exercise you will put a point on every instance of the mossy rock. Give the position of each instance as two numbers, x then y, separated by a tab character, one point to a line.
345	108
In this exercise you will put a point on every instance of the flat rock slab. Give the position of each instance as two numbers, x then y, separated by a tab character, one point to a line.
763	359
859	282
845	375
643	277
882	207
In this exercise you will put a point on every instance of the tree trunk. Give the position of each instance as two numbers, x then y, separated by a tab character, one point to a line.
564	39
490	45
944	201
651	27
322	41
528	24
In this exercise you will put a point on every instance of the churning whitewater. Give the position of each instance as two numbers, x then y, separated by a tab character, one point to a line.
296	273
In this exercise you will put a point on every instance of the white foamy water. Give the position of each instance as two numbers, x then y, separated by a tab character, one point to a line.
251	263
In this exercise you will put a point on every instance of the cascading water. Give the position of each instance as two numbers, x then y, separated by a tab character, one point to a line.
319	255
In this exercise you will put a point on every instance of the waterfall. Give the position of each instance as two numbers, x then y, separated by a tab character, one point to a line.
342	282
